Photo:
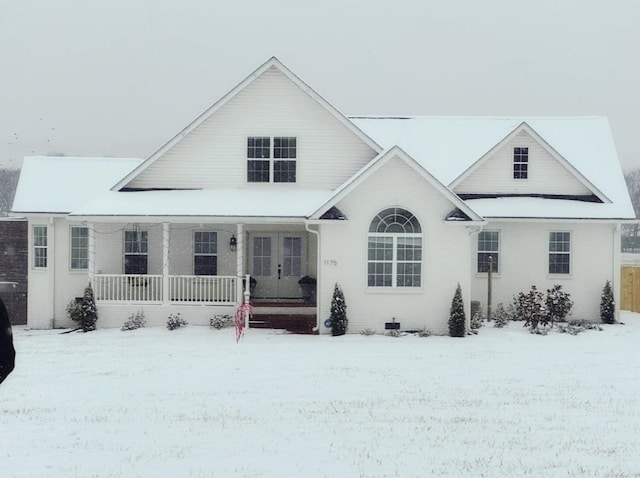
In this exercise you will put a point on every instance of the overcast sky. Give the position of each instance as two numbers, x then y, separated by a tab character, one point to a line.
120	77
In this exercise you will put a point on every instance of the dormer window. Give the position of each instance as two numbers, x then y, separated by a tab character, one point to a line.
520	163
271	159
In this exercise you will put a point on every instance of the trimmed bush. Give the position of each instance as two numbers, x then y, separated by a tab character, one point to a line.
220	321
135	321
339	321
607	305
84	312
174	321
500	316
457	318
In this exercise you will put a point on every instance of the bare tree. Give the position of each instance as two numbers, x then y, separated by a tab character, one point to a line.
8	184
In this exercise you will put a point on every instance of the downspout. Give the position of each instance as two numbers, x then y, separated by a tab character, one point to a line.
51	272
474	230
318	281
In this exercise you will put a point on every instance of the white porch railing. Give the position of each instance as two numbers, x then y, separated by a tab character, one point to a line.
128	287
148	288
209	289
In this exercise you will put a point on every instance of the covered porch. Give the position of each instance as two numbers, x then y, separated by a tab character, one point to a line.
202	269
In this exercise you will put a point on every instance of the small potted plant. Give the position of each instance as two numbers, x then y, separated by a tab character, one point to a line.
252	284
308	286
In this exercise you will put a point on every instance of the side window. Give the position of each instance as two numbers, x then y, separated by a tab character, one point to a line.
40	248
394	250
205	253
136	251
79	254
488	246
559	253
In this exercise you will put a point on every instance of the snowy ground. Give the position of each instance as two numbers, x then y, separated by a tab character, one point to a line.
193	403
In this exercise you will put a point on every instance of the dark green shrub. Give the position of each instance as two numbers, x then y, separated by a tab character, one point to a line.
607	305
339	321
457	318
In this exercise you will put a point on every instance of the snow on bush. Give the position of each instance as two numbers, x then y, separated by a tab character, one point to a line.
500	317
457	319
220	321
367	332
607	305
557	304
135	321
530	308
576	326
174	321
339	321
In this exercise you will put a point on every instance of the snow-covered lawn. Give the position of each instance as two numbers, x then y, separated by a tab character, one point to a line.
193	403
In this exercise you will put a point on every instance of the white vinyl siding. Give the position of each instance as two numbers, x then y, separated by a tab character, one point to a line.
328	152
545	175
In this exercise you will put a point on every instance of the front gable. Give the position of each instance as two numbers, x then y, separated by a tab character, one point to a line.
523	164
393	176
271	103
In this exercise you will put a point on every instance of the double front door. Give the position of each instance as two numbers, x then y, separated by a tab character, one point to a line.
277	260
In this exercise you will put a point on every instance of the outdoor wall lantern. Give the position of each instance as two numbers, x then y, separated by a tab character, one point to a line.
233	243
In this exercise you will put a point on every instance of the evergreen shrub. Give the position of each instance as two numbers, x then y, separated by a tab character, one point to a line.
339	321
457	318
607	305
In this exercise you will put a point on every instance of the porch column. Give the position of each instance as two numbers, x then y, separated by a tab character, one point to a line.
91	252
165	262
239	262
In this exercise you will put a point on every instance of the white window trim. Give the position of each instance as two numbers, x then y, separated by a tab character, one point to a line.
514	162
71	268
557	275
34	246
124	249
394	287
193	257
499	252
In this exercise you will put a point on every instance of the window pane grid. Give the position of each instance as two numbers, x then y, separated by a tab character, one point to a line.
258	147
292	257
40	246
520	163
258	171
488	246
284	147
395	250
79	248
205	250
559	253
284	171
136	248
262	256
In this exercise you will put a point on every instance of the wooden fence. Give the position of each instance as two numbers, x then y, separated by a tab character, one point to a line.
630	289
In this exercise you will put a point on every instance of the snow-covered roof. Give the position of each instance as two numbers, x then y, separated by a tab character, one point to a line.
201	203
538	207
59	185
449	146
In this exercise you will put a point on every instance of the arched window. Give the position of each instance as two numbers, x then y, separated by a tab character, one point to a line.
395	250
